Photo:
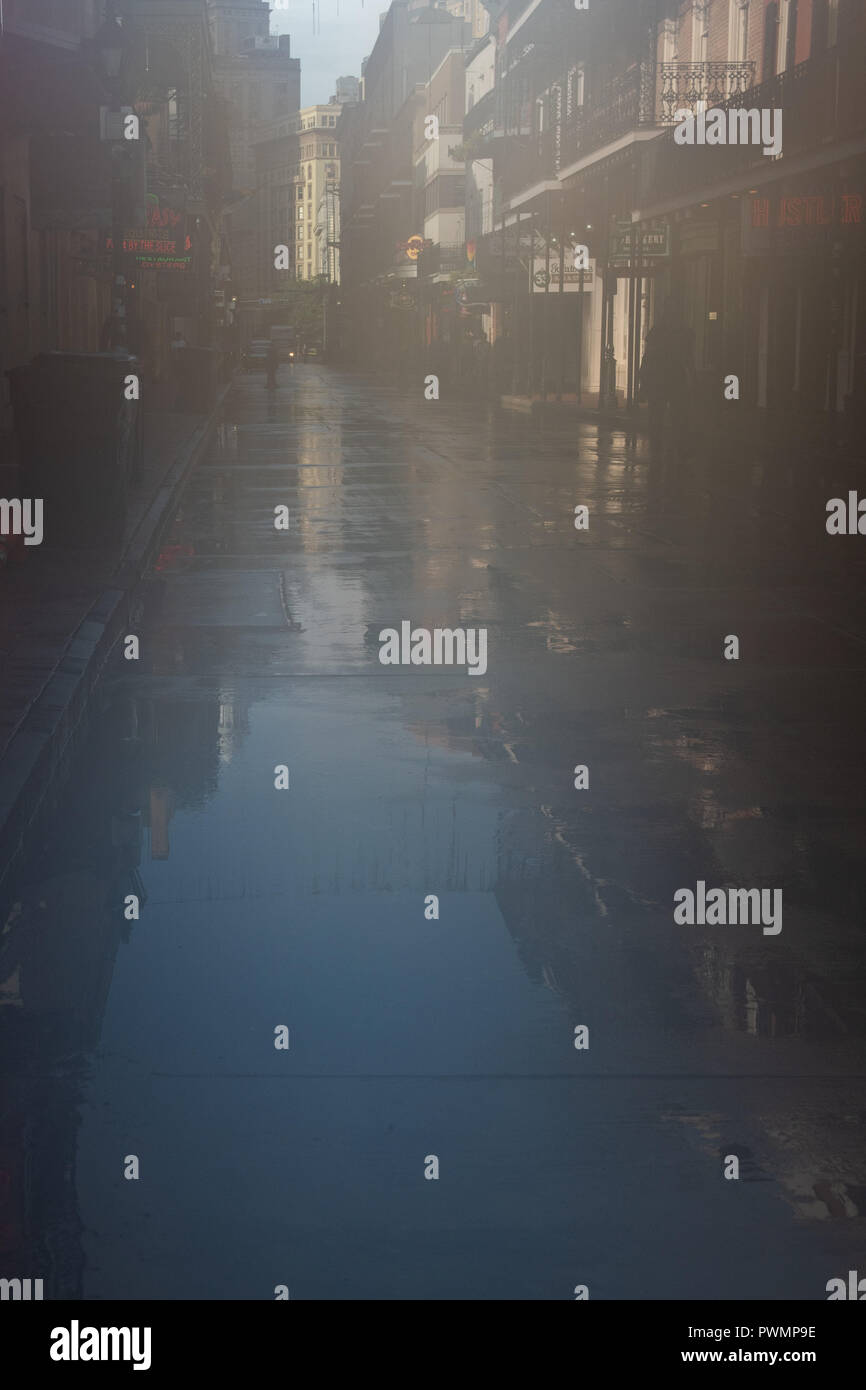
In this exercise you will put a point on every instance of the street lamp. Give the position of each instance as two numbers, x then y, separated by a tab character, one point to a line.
109	42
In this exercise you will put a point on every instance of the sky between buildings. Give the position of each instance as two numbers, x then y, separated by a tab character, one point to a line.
330	37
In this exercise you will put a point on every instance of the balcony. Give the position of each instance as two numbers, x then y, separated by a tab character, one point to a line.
647	97
443	260
480	120
622	106
689	85
823	101
527	160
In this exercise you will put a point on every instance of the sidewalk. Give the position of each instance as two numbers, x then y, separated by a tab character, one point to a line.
62	610
732	423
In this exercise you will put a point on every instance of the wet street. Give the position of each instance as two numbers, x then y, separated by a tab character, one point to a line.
414	1036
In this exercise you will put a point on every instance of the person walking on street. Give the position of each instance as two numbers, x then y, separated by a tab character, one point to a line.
272	362
481	354
667	378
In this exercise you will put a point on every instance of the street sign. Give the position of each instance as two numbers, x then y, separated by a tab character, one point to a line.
630	240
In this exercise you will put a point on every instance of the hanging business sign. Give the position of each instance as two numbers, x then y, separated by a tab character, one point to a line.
578	272
799	217
631	240
413	247
149	252
167	215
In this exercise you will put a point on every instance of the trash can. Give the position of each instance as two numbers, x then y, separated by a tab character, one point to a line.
79	440
198	371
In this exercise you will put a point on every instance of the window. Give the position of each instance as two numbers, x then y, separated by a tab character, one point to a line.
670	39
700	31
790	35
574	91
771	38
300	214
820	17
738	31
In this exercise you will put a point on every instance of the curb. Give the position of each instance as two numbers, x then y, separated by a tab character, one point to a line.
555	411
46	735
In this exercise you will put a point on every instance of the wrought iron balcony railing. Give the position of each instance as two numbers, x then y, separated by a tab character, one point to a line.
691	85
822	100
527	160
626	104
481	117
649	95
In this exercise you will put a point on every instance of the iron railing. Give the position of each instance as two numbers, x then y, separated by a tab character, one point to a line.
691	85
649	95
822	100
527	160
481	116
623	105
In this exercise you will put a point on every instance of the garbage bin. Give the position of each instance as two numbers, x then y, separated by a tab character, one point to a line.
79	440
197	371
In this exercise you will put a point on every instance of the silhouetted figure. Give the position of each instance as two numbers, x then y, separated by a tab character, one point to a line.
667	376
272	361
481	356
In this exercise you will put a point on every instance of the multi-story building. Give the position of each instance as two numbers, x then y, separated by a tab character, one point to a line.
188	175
261	84
328	233
768	253
348	89
317	186
764	253
473	12
276	181
53	291
59	200
440	191
378	268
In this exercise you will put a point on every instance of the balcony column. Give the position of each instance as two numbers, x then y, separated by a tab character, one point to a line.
561	316
607	367
546	305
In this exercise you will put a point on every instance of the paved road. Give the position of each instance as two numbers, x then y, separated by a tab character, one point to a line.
412	1036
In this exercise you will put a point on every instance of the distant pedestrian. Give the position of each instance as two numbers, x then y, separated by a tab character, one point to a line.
272	362
481	355
667	378
178	342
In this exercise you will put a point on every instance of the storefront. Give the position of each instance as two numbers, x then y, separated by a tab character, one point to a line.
804	271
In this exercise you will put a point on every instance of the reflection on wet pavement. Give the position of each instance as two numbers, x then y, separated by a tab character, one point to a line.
179	908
